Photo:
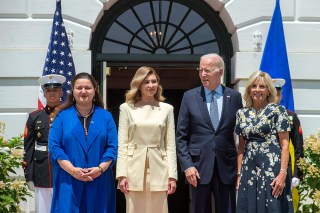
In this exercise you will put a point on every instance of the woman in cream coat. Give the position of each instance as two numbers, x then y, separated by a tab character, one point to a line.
146	164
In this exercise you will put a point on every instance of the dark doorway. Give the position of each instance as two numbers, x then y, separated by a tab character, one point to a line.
175	83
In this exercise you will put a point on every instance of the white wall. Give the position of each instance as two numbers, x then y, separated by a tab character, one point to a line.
24	38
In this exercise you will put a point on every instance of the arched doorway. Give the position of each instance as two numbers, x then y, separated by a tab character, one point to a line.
169	35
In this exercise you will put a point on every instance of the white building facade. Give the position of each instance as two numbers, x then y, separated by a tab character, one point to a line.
26	26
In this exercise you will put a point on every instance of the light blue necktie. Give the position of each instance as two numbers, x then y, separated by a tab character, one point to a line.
214	114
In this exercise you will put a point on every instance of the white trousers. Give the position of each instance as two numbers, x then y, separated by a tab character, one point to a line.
146	201
43	198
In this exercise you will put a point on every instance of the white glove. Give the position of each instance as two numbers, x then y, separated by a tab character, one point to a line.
30	185
295	182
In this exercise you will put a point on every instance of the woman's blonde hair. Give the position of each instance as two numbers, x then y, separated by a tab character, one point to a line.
134	94
265	79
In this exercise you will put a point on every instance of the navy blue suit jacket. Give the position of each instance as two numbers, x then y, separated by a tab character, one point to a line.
199	144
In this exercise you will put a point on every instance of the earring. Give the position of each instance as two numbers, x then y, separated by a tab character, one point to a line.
94	99
73	99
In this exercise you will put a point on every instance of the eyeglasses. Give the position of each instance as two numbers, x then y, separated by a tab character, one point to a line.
207	70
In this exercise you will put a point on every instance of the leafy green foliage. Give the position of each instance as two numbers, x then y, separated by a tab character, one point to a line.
13	190
309	188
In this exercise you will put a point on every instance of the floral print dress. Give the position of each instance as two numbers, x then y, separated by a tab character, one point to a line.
261	160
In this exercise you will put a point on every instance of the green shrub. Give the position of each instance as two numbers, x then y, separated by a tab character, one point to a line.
309	188
13	189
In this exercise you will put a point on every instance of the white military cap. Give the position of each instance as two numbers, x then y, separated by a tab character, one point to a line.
51	81
278	83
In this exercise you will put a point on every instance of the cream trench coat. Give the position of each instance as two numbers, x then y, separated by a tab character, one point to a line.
146	131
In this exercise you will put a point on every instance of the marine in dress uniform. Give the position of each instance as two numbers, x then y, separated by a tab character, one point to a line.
296	145
37	166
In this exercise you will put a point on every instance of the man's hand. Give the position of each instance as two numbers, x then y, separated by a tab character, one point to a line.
30	185
192	175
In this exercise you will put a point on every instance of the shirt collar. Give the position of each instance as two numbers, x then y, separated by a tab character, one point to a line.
218	90
49	109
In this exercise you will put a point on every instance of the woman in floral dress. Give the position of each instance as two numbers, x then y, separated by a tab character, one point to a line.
263	150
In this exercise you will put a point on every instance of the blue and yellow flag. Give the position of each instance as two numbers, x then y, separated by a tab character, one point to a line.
275	60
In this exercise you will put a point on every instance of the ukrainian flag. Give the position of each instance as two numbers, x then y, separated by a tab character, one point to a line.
275	60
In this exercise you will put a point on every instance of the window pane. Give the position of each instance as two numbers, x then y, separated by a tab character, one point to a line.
185	33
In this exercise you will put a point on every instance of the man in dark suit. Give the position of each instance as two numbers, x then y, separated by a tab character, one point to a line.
205	139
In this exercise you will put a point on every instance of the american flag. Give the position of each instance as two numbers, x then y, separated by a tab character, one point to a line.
59	58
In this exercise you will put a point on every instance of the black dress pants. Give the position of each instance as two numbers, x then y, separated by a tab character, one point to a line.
224	196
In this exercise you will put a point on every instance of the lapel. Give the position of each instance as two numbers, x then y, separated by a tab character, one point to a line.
94	128
77	130
225	105
201	100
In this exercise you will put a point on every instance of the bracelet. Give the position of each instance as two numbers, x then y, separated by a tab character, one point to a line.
72	171
100	168
238	174
284	171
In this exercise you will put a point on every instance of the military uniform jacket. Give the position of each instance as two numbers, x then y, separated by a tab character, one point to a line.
296	137
37	164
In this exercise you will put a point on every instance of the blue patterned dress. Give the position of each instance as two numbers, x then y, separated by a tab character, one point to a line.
262	160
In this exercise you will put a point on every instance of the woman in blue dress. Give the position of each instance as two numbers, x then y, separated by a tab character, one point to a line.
83	147
263	150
